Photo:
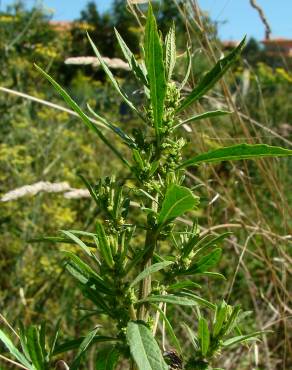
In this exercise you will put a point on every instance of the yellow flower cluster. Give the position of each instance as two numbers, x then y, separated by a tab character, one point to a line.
8	18
46	51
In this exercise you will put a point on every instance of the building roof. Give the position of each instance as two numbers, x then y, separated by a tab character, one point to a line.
278	41
61	25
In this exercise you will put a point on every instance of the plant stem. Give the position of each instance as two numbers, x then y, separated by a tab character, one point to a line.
132	312
145	287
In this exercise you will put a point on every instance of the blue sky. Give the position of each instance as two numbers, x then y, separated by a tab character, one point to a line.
238	17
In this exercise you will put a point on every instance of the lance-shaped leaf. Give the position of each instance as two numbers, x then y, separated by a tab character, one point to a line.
204	336
183	284
177	201
77	241
111	76
13	350
35	349
54	338
83	348
144	348
212	76
242	338
205	262
237	152
117	130
203	247
197	299
189	67
103	245
84	273
129	56
198	117
23	340
155	69
150	270
107	358
72	104
192	336
170	52
220	316
75	343
170	298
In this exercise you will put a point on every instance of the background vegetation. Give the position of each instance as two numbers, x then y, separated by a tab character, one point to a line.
39	143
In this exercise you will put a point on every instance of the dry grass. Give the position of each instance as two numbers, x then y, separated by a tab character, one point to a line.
259	239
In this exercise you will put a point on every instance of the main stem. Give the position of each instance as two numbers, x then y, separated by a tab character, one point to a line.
145	287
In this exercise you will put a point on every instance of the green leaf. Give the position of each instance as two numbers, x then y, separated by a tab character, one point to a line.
23	340
133	64
103	245
13	350
191	244
177	201
204	336
34	348
111	76
107	358
85	270
54	338
75	343
77	241
205	262
211	243
170	52
144	348
212	76
189	67
232	320
199	244
183	284
198	117
81	232
150	270
169	329
237	152
155	69
242	338
42	340
84	273
72	104
198	300
213	274
169	298
192	336
117	130
91	190
220	316
83	348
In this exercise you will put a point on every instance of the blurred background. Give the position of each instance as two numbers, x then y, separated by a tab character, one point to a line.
43	147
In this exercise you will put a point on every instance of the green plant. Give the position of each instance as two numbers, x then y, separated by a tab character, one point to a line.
115	272
36	352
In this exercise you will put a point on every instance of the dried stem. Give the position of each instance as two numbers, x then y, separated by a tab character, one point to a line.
263	18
